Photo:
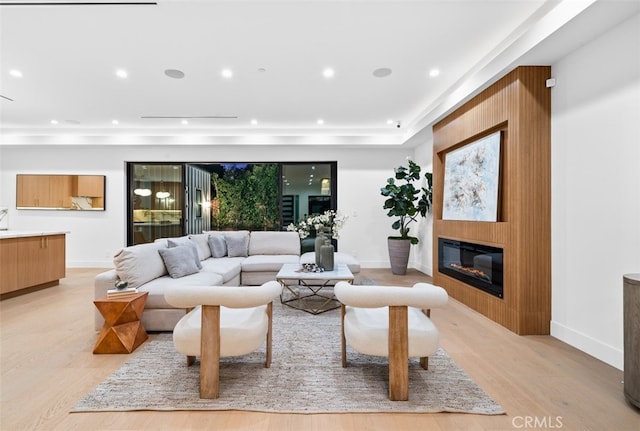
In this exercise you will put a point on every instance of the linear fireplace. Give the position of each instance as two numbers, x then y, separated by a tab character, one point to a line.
475	264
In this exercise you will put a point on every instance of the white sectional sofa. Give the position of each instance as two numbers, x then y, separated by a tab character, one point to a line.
213	258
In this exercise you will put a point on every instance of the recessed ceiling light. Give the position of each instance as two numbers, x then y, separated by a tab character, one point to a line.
227	73
115	122
320	121
254	122
328	72
382	72
174	73
121	73
15	73
184	122
389	121
434	72
54	121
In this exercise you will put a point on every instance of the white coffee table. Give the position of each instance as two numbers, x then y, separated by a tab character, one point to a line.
294	279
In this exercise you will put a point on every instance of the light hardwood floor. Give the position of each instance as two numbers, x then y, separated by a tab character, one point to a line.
46	340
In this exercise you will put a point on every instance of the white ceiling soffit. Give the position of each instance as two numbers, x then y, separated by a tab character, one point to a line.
277	51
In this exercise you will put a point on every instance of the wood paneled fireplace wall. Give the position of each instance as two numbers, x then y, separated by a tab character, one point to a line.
519	105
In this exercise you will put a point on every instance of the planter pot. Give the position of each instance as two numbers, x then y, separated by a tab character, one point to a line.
399	254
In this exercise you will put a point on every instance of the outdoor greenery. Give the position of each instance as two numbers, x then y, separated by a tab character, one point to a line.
405	200
246	197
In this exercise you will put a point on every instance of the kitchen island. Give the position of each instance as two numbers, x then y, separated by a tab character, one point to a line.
30	260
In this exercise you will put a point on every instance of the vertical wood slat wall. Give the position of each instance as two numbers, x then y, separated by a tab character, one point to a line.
519	104
197	179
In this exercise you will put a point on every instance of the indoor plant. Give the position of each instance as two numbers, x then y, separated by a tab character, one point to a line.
329	220
407	202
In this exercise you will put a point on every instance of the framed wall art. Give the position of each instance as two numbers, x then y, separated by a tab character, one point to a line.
472	180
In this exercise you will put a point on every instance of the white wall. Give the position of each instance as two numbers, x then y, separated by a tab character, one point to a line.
95	236
596	189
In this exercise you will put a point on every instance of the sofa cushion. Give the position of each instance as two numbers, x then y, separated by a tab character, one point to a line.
217	245
157	287
139	264
179	261
227	267
274	242
191	245
237	244
264	262
202	242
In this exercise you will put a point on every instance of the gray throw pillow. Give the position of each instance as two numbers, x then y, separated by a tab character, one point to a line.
175	242
218	246
237	245
179	261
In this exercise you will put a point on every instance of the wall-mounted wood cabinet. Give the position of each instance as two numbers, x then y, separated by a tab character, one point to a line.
46	191
88	185
73	192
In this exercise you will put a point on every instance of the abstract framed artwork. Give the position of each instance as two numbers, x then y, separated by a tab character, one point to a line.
472	180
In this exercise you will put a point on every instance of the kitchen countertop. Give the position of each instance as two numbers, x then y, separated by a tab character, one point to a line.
4	234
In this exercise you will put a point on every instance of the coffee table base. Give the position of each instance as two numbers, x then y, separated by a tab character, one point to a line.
309	302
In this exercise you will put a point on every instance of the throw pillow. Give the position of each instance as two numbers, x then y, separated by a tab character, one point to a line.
218	246
237	245
202	242
175	242
179	261
139	264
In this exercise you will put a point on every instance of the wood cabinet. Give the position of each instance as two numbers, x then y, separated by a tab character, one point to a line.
78	192
32	261
59	191
43	191
8	264
88	185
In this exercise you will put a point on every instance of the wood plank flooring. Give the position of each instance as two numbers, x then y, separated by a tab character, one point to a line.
46	340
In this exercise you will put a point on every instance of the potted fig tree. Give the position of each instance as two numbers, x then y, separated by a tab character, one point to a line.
407	201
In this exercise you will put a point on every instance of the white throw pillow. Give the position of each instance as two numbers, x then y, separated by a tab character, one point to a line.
202	242
139	264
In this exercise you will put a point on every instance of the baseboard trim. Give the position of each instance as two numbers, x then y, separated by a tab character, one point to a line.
589	345
107	263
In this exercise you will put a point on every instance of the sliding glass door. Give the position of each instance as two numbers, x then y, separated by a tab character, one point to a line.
156	202
175	199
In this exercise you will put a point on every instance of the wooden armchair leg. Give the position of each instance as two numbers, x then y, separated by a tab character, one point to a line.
210	352
191	360
269	336
398	353
424	362
344	340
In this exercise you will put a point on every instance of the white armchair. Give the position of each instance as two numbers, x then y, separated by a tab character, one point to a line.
391	321
223	321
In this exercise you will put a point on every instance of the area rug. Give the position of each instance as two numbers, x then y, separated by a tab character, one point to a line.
306	376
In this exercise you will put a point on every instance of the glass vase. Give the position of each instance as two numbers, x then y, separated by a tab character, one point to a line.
318	244
326	255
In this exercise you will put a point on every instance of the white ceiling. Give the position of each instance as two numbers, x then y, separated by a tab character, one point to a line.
277	50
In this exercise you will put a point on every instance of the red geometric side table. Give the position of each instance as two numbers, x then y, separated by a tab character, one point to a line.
122	331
